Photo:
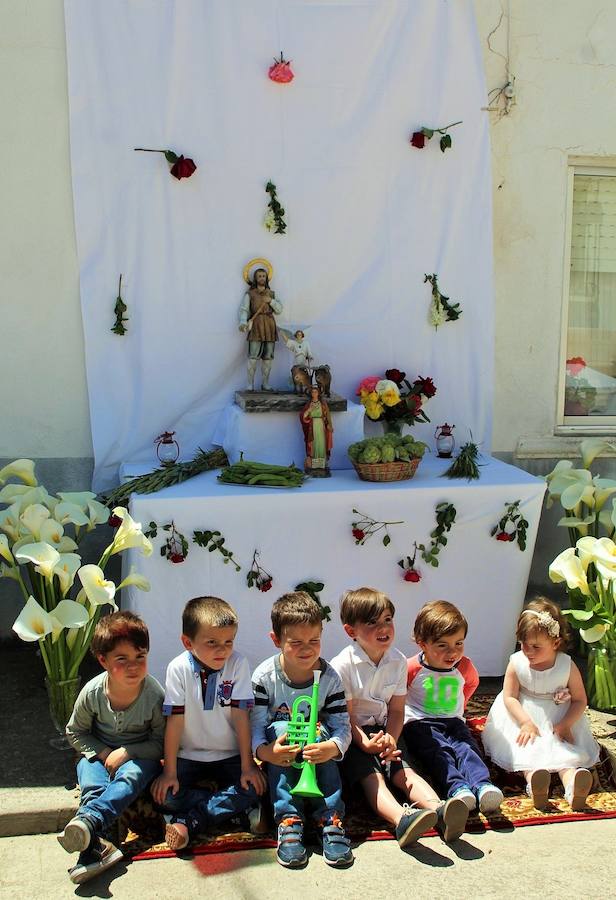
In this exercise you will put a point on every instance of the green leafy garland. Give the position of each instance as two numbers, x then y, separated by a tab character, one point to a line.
512	526
365	527
213	540
119	310
274	220
441	310
445	517
313	588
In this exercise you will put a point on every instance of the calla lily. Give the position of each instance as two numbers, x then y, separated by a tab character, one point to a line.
97	514
33	517
129	534
98	590
5	553
9	521
604	558
134	578
10	492
19	468
591	635
65	570
580	491
591	448
52	532
69	512
604	488
79	498
42	555
33	622
68	614
568	567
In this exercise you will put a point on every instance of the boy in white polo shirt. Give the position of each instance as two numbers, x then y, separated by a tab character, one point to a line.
208	697
374	673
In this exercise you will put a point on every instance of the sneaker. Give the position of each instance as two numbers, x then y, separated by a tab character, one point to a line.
466	796
336	845
290	851
414	823
578	789
99	856
177	835
538	787
76	836
258	819
489	798
452	816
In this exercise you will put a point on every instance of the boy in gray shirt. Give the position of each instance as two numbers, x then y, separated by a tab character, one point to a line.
117	725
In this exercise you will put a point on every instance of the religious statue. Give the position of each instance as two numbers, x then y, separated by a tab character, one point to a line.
318	434
299	347
257	310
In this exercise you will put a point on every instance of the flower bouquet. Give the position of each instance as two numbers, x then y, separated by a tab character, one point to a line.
39	539
394	401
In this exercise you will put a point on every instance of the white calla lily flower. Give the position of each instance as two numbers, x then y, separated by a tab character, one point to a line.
604	488
44	557
98	590
5	552
33	622
66	512
586	548
604	558
33	517
19	468
97	513
65	570
52	532
591	635
134	578
580	491
591	448
71	614
11	492
568	567
129	534
79	498
66	545
9	521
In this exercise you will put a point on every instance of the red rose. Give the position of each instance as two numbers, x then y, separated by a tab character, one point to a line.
418	139
412	575
266	585
413	404
425	386
395	375
114	521
503	536
358	534
176	558
281	71
512	536
183	168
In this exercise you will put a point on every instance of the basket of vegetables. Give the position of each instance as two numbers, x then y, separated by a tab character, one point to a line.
387	458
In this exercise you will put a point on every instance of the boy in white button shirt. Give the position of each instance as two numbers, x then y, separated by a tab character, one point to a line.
374	674
208	697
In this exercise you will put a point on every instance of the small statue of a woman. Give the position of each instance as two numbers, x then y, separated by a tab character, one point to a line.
318	434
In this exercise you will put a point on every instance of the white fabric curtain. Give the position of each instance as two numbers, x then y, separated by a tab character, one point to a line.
367	214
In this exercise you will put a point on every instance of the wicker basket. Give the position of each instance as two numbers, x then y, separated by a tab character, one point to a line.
401	470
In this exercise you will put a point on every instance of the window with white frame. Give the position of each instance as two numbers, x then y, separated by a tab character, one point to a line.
587	396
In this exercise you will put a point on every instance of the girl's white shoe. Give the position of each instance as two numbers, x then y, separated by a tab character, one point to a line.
538	787
578	789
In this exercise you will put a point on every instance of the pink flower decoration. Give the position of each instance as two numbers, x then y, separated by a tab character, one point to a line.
368	384
575	365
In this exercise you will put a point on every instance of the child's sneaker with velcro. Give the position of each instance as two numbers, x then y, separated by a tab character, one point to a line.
98	857
336	845
291	852
413	823
489	799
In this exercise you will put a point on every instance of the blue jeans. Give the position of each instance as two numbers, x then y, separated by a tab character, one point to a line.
282	778
449	752
230	799
104	798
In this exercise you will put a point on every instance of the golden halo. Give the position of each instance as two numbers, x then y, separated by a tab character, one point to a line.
261	263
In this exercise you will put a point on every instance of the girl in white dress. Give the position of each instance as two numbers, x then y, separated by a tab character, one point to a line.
537	723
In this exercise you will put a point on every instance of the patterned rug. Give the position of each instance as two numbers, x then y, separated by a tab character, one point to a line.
142	828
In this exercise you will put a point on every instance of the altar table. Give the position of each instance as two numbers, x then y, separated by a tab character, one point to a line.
304	534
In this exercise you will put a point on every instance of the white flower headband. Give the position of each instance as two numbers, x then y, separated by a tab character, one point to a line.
546	622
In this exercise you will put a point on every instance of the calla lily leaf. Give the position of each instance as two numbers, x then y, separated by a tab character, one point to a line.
580	615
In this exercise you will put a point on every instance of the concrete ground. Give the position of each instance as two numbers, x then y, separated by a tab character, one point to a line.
565	860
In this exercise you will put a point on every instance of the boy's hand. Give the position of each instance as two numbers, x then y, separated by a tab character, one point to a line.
373	744
527	734
253	776
389	748
320	753
115	759
161	785
563	733
279	752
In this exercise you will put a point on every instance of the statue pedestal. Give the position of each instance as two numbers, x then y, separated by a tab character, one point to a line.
282	401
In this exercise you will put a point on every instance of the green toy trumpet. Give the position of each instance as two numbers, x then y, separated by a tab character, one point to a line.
301	732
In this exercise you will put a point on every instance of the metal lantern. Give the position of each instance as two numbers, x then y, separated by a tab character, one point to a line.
445	441
167	449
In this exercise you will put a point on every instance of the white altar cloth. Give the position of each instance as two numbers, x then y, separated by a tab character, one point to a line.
305	535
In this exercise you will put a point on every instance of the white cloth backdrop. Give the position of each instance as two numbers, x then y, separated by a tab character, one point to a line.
367	214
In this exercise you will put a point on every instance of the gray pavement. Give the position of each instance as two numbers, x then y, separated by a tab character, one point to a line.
562	860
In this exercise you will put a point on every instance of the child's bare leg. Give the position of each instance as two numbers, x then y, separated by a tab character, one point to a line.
381	798
419	792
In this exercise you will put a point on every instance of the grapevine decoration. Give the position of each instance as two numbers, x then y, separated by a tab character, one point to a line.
511	526
365	527
181	167
257	576
445	517
119	310
418	138
281	70
465	463
213	540
314	588
175	546
441	310
407	564
274	220
166	476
